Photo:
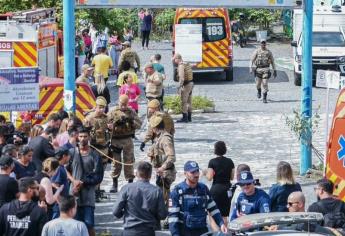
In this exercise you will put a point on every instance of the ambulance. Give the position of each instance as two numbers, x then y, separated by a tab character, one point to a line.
335	158
31	39
217	48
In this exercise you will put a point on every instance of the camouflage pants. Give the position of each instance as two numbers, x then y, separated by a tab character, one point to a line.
263	82
186	97
165	182
126	147
261	78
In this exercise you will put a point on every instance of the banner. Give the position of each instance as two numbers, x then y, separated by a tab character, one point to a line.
19	89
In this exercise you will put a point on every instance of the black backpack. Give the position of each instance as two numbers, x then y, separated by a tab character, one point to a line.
333	219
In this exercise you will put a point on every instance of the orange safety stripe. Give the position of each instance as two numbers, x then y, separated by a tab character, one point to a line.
25	54
210	58
217	51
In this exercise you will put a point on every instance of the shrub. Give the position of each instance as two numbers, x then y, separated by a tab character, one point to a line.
198	102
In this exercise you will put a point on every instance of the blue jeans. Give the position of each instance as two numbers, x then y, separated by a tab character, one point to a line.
86	214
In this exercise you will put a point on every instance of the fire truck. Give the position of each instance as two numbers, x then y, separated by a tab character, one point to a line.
31	39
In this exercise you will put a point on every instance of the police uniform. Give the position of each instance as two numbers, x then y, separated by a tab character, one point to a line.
130	56
99	129
154	86
262	59
259	202
125	122
162	155
185	79
189	207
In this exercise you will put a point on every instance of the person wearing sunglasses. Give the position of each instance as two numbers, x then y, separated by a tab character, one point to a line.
252	199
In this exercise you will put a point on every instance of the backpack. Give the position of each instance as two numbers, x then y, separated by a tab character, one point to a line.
333	219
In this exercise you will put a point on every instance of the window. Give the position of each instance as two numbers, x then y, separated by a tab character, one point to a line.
213	28
329	39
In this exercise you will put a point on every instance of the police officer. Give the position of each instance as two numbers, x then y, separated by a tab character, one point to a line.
154	84
128	54
123	121
162	155
189	203
262	58
98	123
185	79
154	110
251	200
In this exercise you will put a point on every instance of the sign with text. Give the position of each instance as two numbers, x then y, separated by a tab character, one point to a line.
188	41
19	89
183	3
328	79
47	35
5	46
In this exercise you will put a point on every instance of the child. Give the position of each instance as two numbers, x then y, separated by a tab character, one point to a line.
132	91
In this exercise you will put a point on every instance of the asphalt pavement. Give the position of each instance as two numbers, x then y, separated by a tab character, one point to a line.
255	133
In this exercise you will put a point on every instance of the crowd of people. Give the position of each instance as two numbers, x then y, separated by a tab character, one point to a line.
50	185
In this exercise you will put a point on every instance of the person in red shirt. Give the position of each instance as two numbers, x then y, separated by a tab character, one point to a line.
132	91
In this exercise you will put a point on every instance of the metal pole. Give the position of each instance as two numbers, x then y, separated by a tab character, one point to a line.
306	103
69	55
326	132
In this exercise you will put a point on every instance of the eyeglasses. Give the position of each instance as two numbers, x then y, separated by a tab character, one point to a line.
291	203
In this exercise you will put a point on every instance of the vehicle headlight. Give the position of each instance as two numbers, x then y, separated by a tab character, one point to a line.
341	59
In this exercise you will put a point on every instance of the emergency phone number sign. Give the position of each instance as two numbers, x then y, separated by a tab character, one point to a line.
184	3
5	46
19	89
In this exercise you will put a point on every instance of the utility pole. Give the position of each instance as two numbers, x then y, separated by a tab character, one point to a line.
307	86
69	55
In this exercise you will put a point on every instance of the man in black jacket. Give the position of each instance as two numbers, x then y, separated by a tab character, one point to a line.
332	209
42	147
23	217
8	185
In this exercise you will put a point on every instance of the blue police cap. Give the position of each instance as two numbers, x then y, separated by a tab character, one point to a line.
191	166
245	177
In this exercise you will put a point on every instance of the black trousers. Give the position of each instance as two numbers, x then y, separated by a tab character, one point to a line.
146	38
139	230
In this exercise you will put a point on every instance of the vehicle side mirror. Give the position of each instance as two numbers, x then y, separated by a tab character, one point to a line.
294	43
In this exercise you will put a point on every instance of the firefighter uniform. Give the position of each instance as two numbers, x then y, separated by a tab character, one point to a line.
124	122
98	123
262	58
185	79
162	156
129	55
189	207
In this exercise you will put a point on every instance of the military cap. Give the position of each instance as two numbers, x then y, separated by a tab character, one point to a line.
153	104
126	43
148	65
177	56
155	121
123	99
101	101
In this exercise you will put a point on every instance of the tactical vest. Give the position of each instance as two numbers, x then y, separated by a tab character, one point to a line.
123	123
188	73
263	59
156	152
99	132
194	207
129	56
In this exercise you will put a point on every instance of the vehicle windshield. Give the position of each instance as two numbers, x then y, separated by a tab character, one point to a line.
213	28
329	39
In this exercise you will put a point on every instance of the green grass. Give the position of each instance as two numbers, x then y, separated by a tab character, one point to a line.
198	102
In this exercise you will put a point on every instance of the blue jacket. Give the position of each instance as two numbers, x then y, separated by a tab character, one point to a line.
188	208
259	202
279	195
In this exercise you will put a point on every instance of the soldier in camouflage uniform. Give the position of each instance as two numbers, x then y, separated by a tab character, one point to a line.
184	76
98	123
128	54
123	121
262	59
162	156
154	110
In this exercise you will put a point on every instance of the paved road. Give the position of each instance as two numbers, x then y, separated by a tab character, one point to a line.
255	133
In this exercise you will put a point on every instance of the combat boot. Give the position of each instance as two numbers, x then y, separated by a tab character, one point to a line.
114	187
259	93
264	100
189	116
183	119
